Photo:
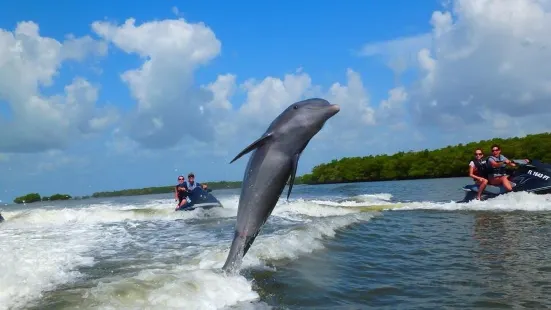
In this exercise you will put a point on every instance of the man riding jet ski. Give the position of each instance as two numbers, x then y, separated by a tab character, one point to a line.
531	176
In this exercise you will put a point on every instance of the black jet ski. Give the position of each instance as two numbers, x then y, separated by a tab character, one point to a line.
531	176
200	198
1	218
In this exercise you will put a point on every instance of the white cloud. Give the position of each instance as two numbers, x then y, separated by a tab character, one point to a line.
400	53
169	106
493	55
396	46
37	122
265	99
486	68
392	109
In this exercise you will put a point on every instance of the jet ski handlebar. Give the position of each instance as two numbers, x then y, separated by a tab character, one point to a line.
522	161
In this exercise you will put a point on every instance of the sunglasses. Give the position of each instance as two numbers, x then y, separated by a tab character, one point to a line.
180	179
478	154
495	150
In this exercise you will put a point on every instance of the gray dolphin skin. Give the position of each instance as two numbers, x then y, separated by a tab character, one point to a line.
274	160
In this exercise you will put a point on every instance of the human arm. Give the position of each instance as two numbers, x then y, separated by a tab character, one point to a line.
176	193
495	163
508	162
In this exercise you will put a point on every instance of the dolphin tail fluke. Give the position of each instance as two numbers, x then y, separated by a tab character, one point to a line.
256	144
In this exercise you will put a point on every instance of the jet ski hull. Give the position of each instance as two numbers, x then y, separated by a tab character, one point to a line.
202	199
533	177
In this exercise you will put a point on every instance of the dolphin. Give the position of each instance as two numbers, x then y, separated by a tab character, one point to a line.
273	162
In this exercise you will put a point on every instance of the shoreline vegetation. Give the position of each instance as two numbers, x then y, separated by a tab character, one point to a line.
446	162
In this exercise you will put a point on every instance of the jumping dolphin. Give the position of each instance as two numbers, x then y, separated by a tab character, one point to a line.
273	162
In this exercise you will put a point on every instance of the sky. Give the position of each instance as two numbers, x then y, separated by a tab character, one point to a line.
112	95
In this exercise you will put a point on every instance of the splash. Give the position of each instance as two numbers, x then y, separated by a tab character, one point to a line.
48	247
517	201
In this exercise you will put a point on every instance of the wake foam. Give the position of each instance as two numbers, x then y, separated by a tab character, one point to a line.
196	280
517	201
45	247
199	283
38	260
176	288
112	213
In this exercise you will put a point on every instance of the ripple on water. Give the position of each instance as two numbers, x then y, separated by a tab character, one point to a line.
414	261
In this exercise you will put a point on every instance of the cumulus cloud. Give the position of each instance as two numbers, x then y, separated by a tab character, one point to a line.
400	54
485	69
265	99
167	100
36	122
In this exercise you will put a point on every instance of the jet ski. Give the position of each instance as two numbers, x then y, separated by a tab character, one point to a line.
200	198
532	176
1	218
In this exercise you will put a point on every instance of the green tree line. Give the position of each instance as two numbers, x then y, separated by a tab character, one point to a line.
34	197
450	161
163	189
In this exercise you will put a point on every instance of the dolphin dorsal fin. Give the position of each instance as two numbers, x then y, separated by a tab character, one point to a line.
256	144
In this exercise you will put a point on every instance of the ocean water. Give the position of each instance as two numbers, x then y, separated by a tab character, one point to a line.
320	250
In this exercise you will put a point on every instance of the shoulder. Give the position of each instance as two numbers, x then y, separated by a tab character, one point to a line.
471	163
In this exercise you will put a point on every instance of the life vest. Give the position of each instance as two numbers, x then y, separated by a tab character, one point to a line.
496	170
191	187
481	168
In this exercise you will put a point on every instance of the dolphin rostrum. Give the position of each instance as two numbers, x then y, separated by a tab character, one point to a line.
273	162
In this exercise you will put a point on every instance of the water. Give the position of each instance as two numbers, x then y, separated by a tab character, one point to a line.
319	251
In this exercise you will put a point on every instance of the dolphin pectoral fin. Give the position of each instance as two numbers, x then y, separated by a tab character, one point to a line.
294	169
293	174
256	144
248	242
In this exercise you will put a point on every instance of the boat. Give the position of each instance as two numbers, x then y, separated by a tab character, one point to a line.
531	175
201	198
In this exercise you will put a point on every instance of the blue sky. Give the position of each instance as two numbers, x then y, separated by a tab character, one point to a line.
408	75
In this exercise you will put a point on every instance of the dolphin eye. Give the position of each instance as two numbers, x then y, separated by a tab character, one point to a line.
295	107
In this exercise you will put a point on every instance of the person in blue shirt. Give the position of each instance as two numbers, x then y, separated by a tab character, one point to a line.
191	184
497	163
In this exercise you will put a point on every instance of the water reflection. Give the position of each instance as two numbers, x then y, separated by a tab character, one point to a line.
510	258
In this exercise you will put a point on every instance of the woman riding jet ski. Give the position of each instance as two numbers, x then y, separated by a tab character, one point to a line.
531	176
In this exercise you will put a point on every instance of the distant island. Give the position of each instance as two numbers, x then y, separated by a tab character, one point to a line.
164	189
34	197
447	162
